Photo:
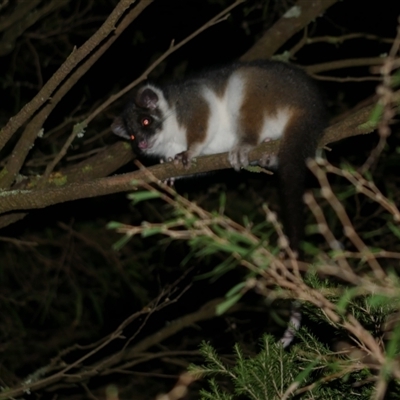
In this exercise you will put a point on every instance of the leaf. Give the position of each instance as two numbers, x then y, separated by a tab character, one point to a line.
143	196
396	79
343	195
254	169
227	265
376	114
114	225
307	247
303	375
121	242
236	289
392	348
227	304
395	229
151	231
346	298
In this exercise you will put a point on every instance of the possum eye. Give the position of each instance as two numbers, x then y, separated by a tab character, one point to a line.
146	121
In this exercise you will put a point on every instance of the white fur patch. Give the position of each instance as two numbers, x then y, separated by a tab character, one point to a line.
222	134
222	126
274	126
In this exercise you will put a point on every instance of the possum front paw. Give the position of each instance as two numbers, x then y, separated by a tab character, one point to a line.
185	158
239	156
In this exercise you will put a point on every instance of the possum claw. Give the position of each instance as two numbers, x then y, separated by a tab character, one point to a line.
239	156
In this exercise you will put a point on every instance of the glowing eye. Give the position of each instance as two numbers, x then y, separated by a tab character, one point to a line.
132	137
146	121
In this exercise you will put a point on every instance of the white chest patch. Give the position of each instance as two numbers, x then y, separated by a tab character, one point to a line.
172	139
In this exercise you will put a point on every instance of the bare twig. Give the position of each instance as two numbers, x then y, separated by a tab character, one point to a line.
386	101
336	40
347	63
222	16
180	390
277	273
17	242
35	381
347	79
72	61
348	228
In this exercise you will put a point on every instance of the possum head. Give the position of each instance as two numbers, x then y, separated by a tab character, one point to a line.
141	119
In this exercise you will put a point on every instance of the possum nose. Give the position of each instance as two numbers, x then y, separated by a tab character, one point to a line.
143	144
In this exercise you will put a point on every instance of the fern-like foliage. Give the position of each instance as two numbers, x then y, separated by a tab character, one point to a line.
308	370
268	375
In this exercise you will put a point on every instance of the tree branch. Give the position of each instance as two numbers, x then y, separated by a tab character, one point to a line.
32	130
353	125
339	64
28	17
65	69
286	27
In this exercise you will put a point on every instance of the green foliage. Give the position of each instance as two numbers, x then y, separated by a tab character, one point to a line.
144	195
120	243
231	299
308	370
376	114
265	376
273	372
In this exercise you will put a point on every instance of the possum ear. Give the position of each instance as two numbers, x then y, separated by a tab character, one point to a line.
147	99
118	127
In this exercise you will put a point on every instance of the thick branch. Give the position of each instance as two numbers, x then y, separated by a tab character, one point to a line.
286	27
355	124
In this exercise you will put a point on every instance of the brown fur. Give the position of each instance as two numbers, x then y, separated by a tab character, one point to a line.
220	88
252	111
193	116
196	123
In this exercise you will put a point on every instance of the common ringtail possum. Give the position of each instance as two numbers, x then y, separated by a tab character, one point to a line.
233	109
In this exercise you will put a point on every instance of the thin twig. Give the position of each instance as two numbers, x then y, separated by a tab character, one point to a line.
78	128
222	16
